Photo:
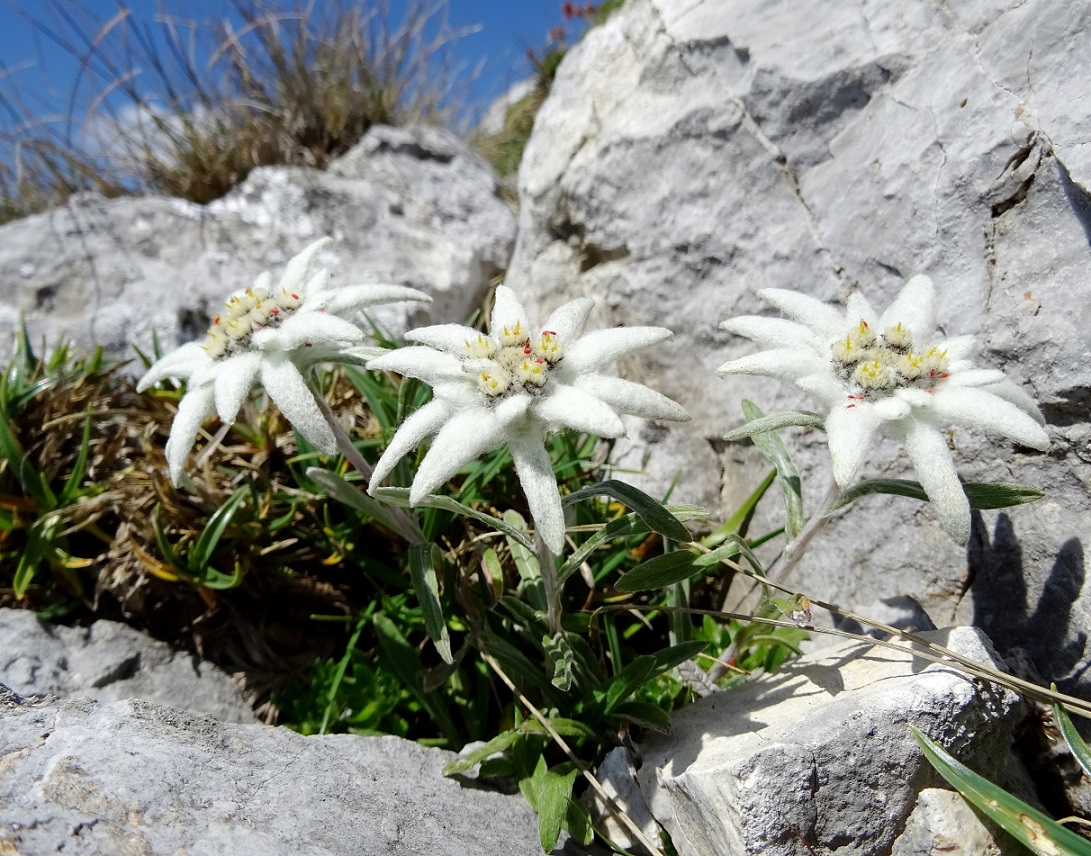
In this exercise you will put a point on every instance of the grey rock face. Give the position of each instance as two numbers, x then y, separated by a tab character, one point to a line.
132	777
694	151
820	754
943	822
109	661
408	206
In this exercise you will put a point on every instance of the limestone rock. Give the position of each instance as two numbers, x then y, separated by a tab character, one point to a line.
109	661
408	206
694	151
820	754
943	822
132	777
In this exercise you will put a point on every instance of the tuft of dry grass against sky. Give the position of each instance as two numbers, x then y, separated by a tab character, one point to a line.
181	110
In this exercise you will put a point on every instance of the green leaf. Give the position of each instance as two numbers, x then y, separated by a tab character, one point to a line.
1036	830
643	713
578	822
628	681
201	555
668	658
498	744
560	654
346	493
405	663
739	521
625	526
79	469
37	546
33	482
399	496
761	424
660	572
981	496
651	511
774	449
1071	736
424	559
554	792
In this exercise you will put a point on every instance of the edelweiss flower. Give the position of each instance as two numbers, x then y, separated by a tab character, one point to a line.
515	386
890	370
272	336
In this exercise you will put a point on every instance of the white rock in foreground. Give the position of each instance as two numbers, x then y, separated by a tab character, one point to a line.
135	777
109	661
820	754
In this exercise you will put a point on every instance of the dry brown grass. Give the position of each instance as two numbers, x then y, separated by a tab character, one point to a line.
189	111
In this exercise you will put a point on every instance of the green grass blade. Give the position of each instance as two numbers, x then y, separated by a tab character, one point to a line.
33	482
651	511
79	469
339	673
201	555
1071	736
424	560
737	523
770	445
1036	830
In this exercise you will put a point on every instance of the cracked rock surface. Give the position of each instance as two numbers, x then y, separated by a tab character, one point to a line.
411	206
108	661
818	757
133	777
694	151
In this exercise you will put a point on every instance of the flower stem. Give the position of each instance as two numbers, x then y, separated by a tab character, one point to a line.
548	566
794	551
407	526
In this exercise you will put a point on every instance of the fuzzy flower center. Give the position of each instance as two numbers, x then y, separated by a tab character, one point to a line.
873	365
513	361
244	314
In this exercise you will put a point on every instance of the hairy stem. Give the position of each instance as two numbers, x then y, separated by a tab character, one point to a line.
407	527
547	564
794	551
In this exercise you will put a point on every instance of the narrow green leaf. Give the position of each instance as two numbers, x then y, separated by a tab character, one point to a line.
668	658
999	495
39	540
643	713
774	421
1036	830
770	445
399	496
738	522
651	510
424	560
1071	736
628	681
201	554
339	675
659	572
348	494
79	468
33	482
626	526
983	497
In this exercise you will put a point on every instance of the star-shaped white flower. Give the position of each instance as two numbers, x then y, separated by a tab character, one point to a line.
892	371
272	336
515	386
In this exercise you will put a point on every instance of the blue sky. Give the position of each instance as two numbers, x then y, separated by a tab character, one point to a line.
506	29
